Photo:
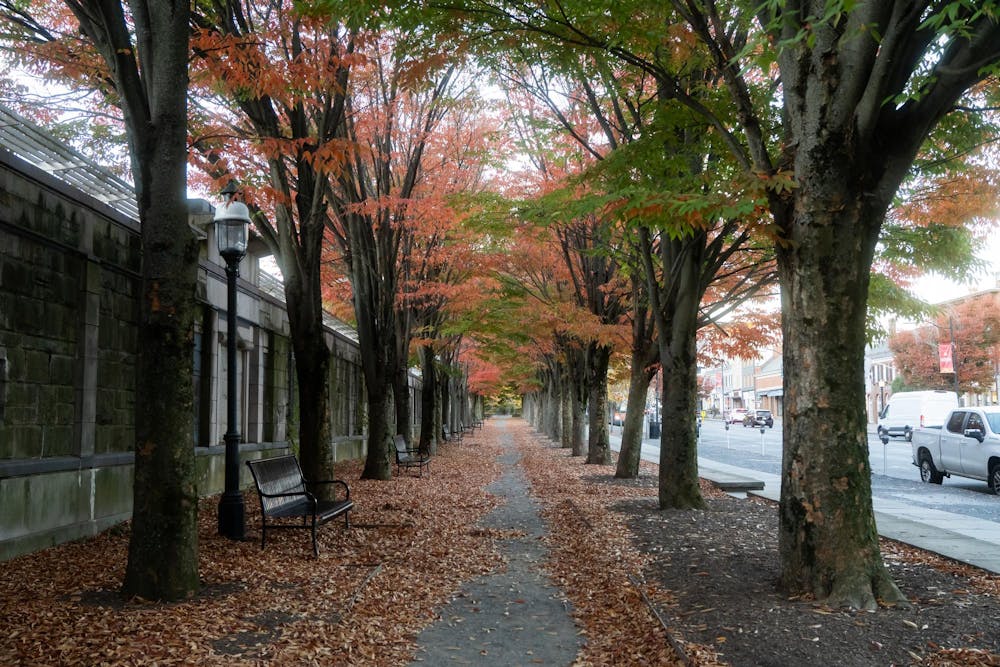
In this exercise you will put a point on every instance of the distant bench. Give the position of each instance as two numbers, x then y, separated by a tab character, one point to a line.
407	457
283	495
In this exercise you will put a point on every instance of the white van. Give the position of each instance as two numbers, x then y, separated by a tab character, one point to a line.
908	410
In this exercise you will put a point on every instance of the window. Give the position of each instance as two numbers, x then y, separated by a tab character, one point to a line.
956	421
975	422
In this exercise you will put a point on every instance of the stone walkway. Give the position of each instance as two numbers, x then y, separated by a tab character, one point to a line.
514	617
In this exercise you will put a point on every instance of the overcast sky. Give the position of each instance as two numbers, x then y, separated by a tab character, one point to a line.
935	289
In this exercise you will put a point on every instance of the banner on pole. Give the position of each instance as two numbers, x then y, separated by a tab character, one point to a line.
945	358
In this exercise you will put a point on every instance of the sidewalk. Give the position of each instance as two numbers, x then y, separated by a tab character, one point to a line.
515	616
965	539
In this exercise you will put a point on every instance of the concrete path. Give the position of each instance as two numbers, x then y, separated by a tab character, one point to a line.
515	617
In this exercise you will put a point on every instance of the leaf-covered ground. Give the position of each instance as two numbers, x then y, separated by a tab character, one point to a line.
646	587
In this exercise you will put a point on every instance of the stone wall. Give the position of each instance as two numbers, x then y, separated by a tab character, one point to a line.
69	288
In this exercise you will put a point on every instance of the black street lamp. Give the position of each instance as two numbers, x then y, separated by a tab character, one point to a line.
231	221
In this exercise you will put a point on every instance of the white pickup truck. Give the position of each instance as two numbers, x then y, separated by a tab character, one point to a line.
968	445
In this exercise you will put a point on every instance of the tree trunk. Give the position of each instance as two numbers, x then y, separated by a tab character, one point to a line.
678	477
552	399
576	361
579	422
312	370
677	331
439	407
429	400
445	420
645	357
401	399
163	544
599	443
566	409
632	435
828	541
378	463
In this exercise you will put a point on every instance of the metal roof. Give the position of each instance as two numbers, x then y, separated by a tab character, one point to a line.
272	285
35	145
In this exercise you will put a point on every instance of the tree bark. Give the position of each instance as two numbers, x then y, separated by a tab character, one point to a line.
826	477
677	335
163	544
401	400
579	447
378	463
632	435
599	444
373	312
678	476
552	400
312	369
566	408
645	358
429	402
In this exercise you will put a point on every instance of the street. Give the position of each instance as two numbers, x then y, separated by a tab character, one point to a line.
893	474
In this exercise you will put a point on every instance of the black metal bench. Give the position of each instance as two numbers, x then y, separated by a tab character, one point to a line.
410	458
283	495
449	436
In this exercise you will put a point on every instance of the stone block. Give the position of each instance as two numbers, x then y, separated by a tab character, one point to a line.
16	277
36	366
21	394
53	500
59	440
28	315
113	490
14	497
64	394
114	438
65	413
25	442
23	414
62	370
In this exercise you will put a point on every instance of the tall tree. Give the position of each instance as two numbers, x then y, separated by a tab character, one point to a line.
862	87
143	64
684	228
404	98
273	83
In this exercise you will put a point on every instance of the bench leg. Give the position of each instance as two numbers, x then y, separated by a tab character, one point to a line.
315	545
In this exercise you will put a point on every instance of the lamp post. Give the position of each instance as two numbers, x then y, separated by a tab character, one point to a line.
231	221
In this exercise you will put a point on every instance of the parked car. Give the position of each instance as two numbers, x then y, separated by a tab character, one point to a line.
908	410
968	445
759	418
737	416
